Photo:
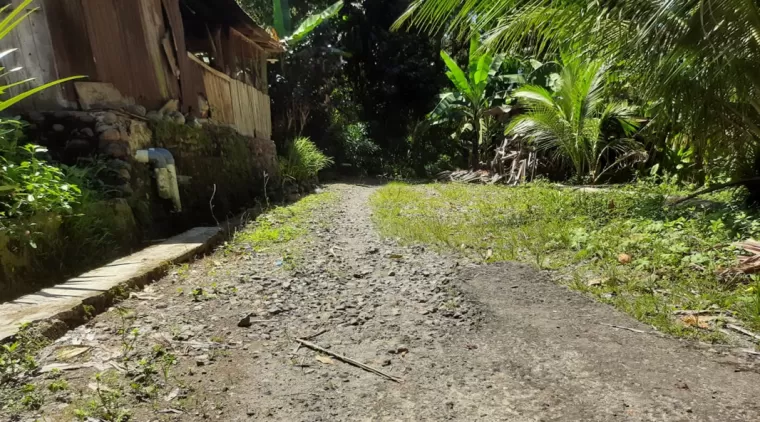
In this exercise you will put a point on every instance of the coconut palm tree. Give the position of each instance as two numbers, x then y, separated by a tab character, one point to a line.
693	61
570	121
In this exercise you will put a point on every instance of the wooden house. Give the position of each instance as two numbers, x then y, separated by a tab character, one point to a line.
207	54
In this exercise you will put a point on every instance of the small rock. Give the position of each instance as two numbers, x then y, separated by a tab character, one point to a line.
137	110
245	322
116	150
36	116
119	164
124	135
154	116
88	132
398	350
124	175
202	360
110	118
58	127
126	190
77	144
177	117
110	135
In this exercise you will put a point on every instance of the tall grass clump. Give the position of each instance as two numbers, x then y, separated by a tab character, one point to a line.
303	160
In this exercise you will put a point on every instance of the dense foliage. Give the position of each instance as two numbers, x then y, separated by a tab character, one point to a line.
357	89
690	65
571	121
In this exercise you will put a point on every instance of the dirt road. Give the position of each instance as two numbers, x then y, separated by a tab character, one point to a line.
468	342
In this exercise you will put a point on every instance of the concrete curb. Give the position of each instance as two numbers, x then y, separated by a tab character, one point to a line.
57	309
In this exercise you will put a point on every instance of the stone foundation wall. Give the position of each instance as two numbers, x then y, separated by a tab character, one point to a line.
221	172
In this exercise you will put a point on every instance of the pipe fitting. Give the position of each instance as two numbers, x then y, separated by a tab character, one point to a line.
166	173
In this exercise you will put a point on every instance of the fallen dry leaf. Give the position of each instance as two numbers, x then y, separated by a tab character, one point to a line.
67	353
172	395
749	264
325	359
624	258
596	282
694	321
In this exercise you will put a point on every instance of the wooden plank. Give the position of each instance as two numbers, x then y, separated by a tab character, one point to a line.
206	67
169	51
235	32
267	116
256	117
71	43
191	86
160	49
236	105
253	110
219	96
123	50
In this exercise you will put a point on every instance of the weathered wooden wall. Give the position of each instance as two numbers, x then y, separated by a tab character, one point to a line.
127	43
177	28
71	42
217	88
116	41
35	54
235	103
128	49
252	110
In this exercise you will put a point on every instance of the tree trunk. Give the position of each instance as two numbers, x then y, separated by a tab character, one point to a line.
475	155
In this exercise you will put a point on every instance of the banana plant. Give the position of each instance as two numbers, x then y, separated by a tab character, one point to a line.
282	21
475	95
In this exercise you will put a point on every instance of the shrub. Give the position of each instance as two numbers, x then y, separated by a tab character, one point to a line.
360	151
303	161
29	185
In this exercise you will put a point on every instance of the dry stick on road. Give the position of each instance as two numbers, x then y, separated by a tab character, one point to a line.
743	331
347	360
626	328
311	337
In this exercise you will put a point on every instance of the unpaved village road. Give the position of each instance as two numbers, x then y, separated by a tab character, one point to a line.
469	342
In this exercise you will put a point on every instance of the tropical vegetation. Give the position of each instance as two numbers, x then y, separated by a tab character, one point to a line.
475	94
690	65
570	123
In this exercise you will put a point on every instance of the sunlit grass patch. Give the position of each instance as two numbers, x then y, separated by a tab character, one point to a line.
677	255
281	225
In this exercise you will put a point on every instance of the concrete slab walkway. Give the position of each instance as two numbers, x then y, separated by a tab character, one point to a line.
64	301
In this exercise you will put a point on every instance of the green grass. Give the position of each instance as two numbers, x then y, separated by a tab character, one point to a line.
679	255
281	225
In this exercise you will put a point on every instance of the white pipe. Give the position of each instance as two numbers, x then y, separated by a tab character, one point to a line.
166	173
